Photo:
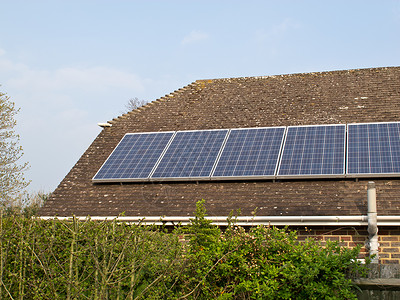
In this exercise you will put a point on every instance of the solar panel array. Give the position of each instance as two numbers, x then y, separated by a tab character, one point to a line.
373	149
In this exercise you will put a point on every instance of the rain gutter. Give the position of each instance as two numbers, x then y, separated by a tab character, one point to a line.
248	220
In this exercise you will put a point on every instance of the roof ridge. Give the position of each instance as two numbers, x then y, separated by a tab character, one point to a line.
209	80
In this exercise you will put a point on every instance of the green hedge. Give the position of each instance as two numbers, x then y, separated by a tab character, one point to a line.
109	260
84	260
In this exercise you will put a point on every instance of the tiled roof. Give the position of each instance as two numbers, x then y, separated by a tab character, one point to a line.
351	96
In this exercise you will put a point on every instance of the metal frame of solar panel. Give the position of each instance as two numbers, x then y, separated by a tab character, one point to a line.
134	158
250	153
190	156
313	151
373	149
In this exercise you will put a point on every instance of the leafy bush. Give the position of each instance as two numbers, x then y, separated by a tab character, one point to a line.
264	263
108	260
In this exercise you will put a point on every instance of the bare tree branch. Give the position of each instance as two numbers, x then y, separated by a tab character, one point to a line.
134	103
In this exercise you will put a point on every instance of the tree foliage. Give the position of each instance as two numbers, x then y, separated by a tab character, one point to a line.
26	205
12	181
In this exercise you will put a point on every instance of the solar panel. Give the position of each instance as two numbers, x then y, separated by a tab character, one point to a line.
134	157
373	149
252	152
312	151
191	154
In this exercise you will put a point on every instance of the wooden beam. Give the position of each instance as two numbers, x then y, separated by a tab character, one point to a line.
378	283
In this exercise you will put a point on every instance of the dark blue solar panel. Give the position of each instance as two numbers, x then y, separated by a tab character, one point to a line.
134	157
191	154
373	148
313	151
250	152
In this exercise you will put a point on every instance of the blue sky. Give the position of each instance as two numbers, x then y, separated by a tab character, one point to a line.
71	64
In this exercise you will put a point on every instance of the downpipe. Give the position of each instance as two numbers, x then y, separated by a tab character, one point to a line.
372	223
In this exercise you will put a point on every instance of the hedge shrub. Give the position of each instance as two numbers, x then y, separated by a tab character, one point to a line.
108	260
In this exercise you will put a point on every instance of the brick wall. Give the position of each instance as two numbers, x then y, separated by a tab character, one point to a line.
346	236
389	240
389	245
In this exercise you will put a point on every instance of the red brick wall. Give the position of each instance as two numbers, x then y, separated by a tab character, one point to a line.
346	236
389	240
389	245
